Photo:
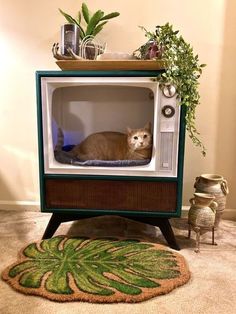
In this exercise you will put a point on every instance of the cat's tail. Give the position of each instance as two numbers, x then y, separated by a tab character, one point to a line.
60	140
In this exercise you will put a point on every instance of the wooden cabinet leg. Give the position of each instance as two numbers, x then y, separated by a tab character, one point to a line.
52	226
162	223
168	233
165	227
57	219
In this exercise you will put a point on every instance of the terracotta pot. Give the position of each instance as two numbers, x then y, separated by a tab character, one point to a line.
215	185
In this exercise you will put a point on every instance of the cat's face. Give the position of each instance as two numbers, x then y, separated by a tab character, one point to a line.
139	139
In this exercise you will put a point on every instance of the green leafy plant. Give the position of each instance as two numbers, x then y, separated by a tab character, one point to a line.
182	69
92	24
97	266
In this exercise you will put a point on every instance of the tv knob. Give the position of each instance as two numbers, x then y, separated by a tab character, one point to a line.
169	90
168	111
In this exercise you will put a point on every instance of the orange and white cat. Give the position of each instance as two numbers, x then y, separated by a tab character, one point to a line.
136	144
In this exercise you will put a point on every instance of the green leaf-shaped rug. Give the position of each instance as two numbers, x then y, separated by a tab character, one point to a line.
96	270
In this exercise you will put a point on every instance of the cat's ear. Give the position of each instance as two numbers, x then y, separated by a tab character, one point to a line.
148	126
128	130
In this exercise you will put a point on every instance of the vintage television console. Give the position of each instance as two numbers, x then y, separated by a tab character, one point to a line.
83	102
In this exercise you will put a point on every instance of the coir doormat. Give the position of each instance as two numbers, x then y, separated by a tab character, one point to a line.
96	270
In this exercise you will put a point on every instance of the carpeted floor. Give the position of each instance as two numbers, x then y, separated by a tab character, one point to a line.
210	290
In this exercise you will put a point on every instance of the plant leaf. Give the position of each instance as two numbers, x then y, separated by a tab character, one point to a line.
71	20
85	12
68	17
98	28
110	16
95	19
78	19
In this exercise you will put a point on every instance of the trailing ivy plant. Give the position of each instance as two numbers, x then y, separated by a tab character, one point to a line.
182	69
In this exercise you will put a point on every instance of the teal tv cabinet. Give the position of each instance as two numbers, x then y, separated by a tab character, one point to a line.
152	195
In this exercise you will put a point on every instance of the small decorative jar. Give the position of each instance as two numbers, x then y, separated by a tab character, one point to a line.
217	186
202	211
202	215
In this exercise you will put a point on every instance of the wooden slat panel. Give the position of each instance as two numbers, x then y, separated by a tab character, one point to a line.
107	195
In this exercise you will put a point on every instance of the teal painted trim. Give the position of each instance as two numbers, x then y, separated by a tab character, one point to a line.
40	142
99	73
181	160
179	177
101	212
110	177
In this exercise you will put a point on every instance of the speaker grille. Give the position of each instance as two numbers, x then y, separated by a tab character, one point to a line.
111	195
166	151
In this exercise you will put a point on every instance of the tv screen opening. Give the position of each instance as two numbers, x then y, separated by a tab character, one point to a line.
75	108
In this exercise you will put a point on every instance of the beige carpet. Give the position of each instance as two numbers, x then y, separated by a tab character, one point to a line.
212	288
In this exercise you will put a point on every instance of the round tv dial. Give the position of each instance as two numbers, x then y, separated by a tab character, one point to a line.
169	90
168	111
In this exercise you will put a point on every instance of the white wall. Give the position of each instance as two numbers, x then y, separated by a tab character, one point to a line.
28	30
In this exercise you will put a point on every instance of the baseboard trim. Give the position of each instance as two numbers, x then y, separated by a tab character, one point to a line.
22	205
228	214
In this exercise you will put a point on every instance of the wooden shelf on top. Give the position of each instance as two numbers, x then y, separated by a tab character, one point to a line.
75	65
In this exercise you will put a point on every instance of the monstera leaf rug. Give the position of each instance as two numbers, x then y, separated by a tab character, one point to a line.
96	270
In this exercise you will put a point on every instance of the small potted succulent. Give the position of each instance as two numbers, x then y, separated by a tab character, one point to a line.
182	69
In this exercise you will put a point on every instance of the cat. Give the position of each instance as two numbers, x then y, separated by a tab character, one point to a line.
136	144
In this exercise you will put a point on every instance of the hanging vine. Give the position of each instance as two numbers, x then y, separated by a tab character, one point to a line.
182	69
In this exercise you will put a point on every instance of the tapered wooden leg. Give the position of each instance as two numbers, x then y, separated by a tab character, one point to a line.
165	227
57	219
162	223
168	233
52	226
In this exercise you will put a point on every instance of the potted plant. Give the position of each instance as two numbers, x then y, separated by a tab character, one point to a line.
182	69
92	23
